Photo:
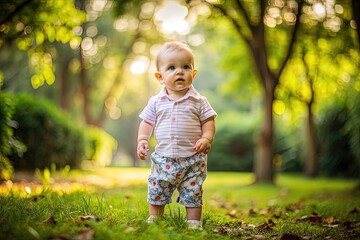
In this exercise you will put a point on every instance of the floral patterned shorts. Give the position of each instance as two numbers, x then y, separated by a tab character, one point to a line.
185	174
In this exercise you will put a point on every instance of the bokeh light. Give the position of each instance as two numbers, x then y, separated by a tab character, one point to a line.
171	18
140	65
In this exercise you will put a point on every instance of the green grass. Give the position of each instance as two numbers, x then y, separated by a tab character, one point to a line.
115	200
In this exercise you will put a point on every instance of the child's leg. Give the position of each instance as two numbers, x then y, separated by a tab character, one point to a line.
156	210
194	217
193	213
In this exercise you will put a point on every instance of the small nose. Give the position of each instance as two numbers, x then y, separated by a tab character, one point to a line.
179	71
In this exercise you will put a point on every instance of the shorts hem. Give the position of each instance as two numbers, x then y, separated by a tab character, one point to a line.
190	205
158	203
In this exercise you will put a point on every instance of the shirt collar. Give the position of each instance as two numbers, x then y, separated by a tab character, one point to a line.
191	93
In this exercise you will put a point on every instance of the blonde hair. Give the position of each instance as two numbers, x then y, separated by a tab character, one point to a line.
174	46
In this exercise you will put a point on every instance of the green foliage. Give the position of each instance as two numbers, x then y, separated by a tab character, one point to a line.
50	135
335	132
102	146
353	124
6	169
46	177
6	111
32	25
233	146
8	142
121	7
288	148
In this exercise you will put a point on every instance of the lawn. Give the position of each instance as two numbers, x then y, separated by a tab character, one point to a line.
111	204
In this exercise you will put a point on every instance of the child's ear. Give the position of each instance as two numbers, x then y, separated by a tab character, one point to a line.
194	73
158	76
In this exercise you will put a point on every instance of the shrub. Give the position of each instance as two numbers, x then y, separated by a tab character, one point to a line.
6	111
101	146
353	128
288	148
49	134
6	134
233	146
336	155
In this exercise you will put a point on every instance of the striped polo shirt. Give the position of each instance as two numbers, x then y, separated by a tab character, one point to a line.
177	124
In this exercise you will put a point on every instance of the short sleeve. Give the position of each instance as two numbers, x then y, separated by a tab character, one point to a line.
149	112
206	111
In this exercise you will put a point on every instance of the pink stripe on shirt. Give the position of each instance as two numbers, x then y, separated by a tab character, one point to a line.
177	123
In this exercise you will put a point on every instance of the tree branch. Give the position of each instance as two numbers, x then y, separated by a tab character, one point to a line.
16	10
233	21
243	12
356	16
118	79
292	40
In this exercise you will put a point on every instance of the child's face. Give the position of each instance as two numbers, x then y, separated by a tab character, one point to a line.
176	71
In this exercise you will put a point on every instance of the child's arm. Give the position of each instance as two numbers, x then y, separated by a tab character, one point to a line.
203	145
144	133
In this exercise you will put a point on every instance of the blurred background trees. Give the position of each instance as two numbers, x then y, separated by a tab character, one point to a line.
282	75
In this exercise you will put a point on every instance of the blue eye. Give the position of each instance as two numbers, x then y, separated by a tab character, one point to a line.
171	68
187	67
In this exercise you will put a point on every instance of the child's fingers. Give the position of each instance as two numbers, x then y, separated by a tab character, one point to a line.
142	151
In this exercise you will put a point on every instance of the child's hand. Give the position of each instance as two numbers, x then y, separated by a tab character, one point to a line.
202	145
142	149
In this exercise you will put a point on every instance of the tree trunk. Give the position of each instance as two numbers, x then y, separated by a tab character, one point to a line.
264	167
64	86
356	16
311	161
264	170
84	88
311	166
84	81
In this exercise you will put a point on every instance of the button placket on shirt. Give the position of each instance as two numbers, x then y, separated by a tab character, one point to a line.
173	130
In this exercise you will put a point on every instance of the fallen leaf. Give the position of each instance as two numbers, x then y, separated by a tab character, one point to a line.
277	213
90	217
331	225
50	220
252	212
87	234
259	237
225	205
129	230
229	228
271	223
294	207
232	213
263	227
354	211
251	226
348	225
60	237
222	230
264	212
312	218
110	220
329	220
36	198
290	236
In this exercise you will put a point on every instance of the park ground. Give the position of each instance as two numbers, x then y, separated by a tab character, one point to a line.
110	203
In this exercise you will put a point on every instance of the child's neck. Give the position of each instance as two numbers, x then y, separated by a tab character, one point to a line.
176	95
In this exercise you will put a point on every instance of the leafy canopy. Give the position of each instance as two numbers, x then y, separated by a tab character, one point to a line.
33	25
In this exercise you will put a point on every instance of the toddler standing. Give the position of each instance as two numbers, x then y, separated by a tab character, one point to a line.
184	126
